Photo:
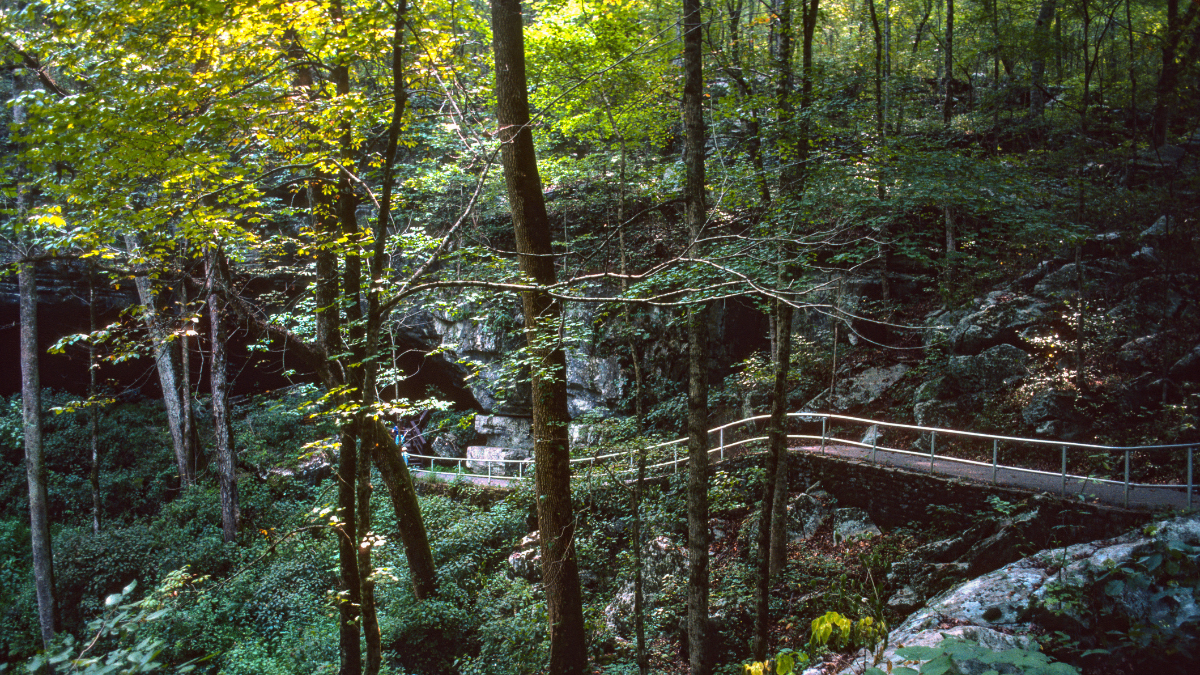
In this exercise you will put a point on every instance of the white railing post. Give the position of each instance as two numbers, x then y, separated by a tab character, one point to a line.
824	422
932	448
1064	471
874	443
995	458
675	461
489	473
1126	479
722	436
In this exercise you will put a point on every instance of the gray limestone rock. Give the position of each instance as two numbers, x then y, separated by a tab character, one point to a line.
852	523
1161	228
525	561
665	566
449	445
1187	369
501	431
867	386
988	369
997	324
998	610
493	461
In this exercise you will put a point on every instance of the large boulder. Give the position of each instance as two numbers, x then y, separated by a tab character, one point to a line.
593	384
525	561
989	369
502	431
1054	413
1187	369
1080	589
494	461
866	387
997	324
449	445
664	569
851	524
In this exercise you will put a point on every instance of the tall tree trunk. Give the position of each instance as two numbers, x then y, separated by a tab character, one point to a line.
783	365
881	134
1169	75
31	400
218	372
639	618
1041	33
343	221
543	315
767	533
699	654
35	467
746	90
948	103
93	398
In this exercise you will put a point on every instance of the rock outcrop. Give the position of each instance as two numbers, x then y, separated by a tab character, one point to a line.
1145	581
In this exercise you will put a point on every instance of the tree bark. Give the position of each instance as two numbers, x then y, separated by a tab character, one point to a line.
31	406
697	491
1169	75
779	441
166	359
1041	32
768	533
94	407
948	103
35	467
222	423
556	521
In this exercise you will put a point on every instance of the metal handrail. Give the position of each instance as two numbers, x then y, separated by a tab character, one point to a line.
825	438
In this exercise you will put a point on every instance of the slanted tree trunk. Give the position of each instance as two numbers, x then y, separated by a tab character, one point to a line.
166	359
699	655
222	423
543	316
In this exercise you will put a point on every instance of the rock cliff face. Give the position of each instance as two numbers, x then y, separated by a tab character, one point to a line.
1119	595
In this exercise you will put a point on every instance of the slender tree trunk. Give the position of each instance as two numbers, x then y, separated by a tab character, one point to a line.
222	423
543	316
35	467
639	618
746	91
948	104
166	359
93	398
779	408
697	499
1038	67
31	400
366	578
191	435
778	447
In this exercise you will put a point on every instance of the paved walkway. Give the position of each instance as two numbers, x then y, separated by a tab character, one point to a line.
1093	490
1113	494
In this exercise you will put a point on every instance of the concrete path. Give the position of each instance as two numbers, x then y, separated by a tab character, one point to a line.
1106	492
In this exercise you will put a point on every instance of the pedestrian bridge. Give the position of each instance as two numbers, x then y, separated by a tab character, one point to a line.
1036	465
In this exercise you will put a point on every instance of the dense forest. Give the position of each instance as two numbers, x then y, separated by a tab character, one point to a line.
251	245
